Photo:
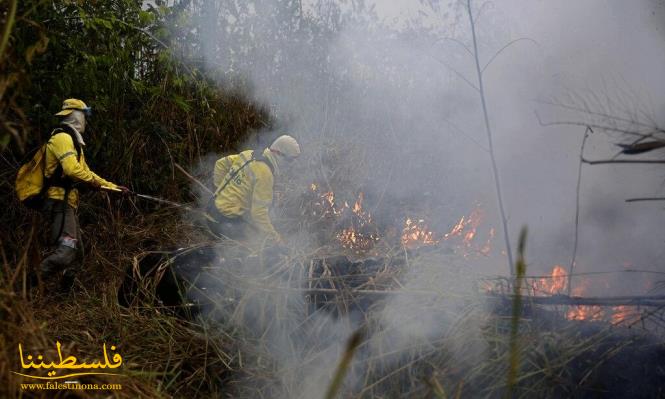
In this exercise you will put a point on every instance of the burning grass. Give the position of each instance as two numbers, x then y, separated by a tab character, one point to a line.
277	329
626	312
452	343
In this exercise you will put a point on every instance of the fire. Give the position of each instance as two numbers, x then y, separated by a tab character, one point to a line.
615	314
624	313
350	239
326	203
588	313
557	282
553	284
467	229
584	312
456	230
358	206
487	247
417	234
357	232
358	236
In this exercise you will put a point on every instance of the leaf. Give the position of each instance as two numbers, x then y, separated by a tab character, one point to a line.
103	22
181	103
146	17
4	141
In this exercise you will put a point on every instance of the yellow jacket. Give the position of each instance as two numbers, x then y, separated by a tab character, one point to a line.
60	150
249	195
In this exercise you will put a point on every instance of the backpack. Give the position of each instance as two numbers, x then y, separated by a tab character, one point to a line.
31	184
210	205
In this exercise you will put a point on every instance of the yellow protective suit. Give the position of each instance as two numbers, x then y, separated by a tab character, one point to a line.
250	194
60	149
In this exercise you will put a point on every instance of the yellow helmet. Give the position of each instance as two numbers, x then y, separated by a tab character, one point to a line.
70	104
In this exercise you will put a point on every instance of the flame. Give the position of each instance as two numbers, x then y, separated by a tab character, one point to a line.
556	283
584	312
467	226
553	284
358	206
359	236
355	235
416	234
487	247
325	206
350	239
467	229
456	230
615	314
587	313
624	313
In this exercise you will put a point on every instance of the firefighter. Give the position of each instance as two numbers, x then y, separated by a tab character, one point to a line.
65	168
244	191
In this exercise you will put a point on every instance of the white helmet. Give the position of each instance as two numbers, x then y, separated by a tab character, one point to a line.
286	146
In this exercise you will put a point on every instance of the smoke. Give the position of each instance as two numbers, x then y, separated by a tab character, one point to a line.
386	104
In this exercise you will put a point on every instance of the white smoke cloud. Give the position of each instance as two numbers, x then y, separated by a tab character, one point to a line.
399	102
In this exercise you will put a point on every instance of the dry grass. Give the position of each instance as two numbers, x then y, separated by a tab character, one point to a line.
162	355
432	335
263	339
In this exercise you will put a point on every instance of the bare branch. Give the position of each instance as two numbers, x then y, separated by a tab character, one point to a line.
602	114
646	199
607	161
456	72
464	46
194	179
504	48
648	300
571	270
488	129
482	8
594	126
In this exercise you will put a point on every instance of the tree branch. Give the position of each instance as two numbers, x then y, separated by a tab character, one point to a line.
635	161
488	129
505	47
577	208
603	115
464	46
593	126
652	300
456	72
646	199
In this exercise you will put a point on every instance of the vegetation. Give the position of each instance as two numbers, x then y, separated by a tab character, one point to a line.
156	107
150	112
